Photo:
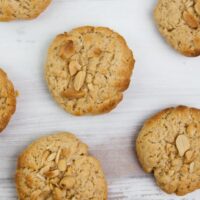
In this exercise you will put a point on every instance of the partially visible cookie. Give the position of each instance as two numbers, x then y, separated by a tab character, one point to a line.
169	146
179	22
58	167
88	69
21	9
7	100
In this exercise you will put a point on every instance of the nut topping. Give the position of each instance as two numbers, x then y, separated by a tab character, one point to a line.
188	156
51	157
197	7
191	167
58	193
191	129
67	50
44	195
44	157
62	165
35	195
58	155
90	86
72	94
182	144
45	169
190	20
97	52
40	177
74	67
52	174
79	80
65	152
67	182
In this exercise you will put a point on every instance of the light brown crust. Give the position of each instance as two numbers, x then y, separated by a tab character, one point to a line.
7	100
168	145
22	9
93	63
58	167
179	22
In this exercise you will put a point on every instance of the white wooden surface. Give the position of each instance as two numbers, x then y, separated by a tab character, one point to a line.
161	78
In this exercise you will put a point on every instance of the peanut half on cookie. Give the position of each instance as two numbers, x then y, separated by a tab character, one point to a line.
7	100
58	167
169	146
88	69
21	9
179	22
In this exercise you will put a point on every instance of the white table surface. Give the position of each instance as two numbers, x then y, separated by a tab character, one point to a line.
161	78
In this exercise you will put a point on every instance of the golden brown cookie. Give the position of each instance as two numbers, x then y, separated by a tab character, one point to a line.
58	167
88	69
21	9
179	22
169	146
7	100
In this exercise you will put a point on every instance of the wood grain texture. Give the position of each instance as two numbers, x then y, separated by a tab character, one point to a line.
161	78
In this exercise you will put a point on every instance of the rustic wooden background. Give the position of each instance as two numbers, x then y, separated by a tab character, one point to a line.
161	78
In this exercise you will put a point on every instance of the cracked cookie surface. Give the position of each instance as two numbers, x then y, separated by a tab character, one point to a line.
88	69
58	167
179	22
169	146
21	9
7	100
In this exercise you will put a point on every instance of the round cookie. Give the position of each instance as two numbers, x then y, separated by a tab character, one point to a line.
179	22
88	69
21	9
169	146
7	100
58	167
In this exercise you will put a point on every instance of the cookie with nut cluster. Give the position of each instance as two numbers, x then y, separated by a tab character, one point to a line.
22	9
169	146
58	167
7	100
179	22
88	69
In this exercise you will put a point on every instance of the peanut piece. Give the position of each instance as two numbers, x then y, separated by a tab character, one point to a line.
197	7
67	50
191	167
51	157
62	165
52	174
188	156
190	20
182	144
67	182
74	67
72	94
79	80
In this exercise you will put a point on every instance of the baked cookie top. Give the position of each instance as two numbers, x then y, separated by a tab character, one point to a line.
88	69
58	167
7	100
21	9
169	146
179	22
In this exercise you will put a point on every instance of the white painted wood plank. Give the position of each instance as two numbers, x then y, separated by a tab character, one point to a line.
161	78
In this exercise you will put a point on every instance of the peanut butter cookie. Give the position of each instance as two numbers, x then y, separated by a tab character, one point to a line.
169	146
179	22
88	69
58	167
21	9
7	100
